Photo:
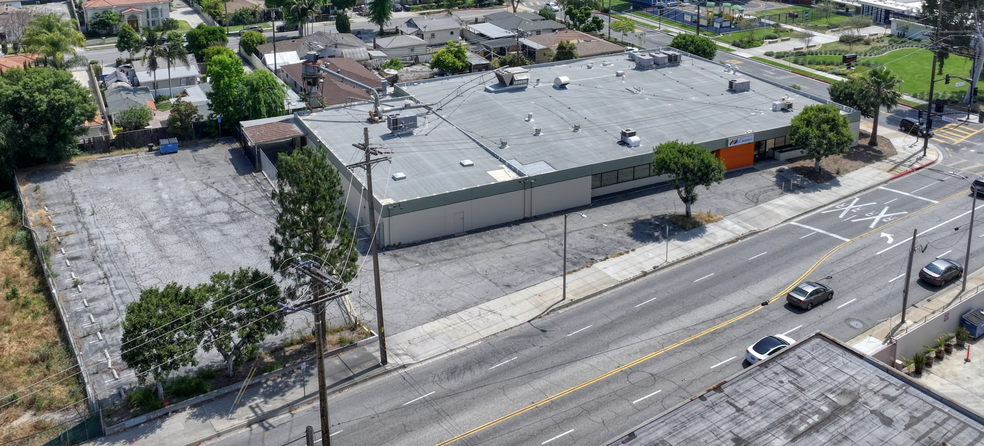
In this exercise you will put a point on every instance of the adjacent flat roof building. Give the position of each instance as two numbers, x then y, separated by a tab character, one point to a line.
472	151
817	392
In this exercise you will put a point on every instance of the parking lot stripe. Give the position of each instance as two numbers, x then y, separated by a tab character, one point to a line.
723	362
554	438
793	329
757	256
702	278
846	303
945	253
576	332
647	396
820	231
898	276
503	362
646	302
418	398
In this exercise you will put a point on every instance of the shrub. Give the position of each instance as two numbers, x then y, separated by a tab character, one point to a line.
770	53
187	387
393	64
169	24
146	399
772	36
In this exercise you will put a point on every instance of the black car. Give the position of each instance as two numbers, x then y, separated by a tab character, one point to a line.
977	186
914	127
808	294
286	27
941	271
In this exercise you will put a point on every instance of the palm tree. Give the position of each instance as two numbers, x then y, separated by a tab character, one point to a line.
174	51
882	92
153	49
298	11
48	35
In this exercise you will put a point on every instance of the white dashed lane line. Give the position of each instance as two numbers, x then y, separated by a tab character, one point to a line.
820	231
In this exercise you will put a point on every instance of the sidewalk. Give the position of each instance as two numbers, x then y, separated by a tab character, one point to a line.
295	387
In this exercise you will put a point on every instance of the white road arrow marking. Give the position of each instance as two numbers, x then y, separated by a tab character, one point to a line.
888	236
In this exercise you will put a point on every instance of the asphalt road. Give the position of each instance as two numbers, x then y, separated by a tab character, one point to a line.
589	373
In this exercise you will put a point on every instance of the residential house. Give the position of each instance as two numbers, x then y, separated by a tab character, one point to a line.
333	90
405	48
524	23
437	30
136	13
167	83
291	51
541	48
121	97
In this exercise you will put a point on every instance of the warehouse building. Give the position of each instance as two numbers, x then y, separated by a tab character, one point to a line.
472	151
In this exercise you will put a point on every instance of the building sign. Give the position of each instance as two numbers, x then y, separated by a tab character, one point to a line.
739	140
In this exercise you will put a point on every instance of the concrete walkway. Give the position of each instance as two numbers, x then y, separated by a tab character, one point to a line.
233	408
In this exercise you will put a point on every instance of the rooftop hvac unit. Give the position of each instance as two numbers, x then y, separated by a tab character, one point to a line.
660	59
401	122
629	138
739	85
561	81
513	76
784	104
644	61
672	57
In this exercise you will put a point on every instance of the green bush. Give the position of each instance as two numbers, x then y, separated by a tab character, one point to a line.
771	36
770	53
187	386
146	399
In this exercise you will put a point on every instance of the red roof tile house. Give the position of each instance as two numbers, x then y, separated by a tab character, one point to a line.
137	13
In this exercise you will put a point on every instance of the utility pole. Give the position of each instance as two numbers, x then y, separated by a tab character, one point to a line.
322	282
975	71
908	273
970	236
367	164
932	79
274	22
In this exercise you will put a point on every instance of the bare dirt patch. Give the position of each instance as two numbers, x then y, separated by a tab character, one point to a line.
696	220
837	165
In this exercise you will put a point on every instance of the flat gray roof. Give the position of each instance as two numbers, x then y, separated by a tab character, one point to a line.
688	102
816	392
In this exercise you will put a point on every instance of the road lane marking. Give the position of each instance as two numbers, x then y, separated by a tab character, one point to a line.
418	398
702	278
820	231
898	276
921	188
503	362
930	229
336	433
647	396
845	303
576	332
844	208
722	362
792	330
945	253
675	345
889	201
807	235
646	302
909	195
760	255
554	438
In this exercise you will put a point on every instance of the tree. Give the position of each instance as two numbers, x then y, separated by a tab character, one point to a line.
312	219
160	333
263	96
134	118
173	51
826	8
451	5
128	41
153	52
52	37
511	60
105	22
547	13
882	91
623	27
822	131
299	12
565	51
853	26
381	11
956	23
46	110
593	25
696	45
213	51
250	40
169	24
578	16
343	24
393	64
515	4
225	74
14	23
180	123
851	92
806	37
453	58
689	165
212	8
204	36
342	5
241	310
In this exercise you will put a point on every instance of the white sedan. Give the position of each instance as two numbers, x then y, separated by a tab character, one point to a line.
767	347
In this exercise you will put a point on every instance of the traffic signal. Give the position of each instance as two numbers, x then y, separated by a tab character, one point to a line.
947	80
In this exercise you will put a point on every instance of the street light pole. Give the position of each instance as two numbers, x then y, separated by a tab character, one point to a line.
932	79
970	236
563	272
609	20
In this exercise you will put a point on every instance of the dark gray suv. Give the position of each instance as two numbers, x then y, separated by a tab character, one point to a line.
977	186
808	294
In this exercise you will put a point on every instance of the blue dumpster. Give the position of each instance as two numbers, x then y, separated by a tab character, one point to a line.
973	321
169	145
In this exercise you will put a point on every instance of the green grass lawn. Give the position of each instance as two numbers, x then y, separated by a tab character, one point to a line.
654	18
913	66
758	33
816	17
620	6
183	25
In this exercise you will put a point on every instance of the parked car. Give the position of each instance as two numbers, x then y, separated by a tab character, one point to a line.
286	27
767	347
256	28
406	8
914	127
397	7
977	186
808	294
941	271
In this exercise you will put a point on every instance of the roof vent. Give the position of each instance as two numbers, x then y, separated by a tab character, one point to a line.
399	176
529	116
590	65
619	73
466	163
561	81
503	144
536	131
577	128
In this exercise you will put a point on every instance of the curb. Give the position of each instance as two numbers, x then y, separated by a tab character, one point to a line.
911	170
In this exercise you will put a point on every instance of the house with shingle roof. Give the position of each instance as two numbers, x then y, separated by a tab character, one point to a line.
136	13
121	97
437	29
543	47
290	51
401	47
333	90
525	23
